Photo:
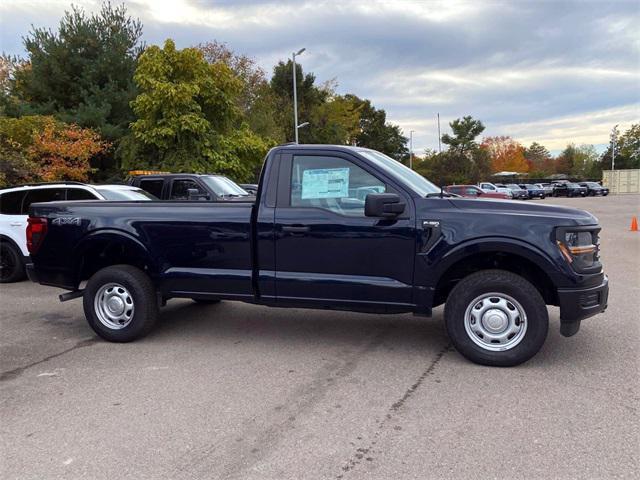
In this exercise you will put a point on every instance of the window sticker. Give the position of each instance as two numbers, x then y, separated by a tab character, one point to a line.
325	183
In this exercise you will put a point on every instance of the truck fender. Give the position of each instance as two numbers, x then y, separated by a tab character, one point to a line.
111	237
497	245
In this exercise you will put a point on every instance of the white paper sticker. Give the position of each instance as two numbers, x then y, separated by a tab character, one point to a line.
325	183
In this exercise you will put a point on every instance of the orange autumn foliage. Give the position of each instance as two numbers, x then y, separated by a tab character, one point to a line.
506	154
62	152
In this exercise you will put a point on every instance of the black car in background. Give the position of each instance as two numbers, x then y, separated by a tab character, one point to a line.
568	189
252	188
594	189
533	190
191	186
518	192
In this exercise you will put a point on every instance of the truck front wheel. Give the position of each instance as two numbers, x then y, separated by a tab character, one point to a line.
120	303
496	318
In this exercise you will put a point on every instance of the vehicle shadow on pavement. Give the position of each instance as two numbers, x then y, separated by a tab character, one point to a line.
234	322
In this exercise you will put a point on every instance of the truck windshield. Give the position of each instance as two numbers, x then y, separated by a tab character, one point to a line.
224	187
410	178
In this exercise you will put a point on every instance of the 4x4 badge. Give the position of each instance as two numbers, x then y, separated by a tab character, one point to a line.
66	221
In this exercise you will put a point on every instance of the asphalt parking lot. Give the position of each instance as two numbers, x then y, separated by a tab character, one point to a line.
247	392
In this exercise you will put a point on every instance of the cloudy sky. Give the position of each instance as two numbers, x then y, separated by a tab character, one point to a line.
549	71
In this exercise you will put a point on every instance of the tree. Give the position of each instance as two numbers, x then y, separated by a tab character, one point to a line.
335	121
375	132
506	154
256	100
84	72
627	150
10	65
463	162
580	162
451	167
44	149
540	162
465	131
309	96
187	117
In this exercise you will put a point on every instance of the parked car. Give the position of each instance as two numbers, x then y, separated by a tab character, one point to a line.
251	188
533	190
14	208
568	189
518	192
494	188
594	188
546	187
191	186
471	191
306	242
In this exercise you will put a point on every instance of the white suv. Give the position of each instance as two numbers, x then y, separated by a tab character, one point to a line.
14	210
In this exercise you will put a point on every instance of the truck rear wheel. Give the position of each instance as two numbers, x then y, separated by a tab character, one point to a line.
496	318
120	303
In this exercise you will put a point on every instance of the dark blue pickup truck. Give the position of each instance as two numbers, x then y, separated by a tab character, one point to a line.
332	227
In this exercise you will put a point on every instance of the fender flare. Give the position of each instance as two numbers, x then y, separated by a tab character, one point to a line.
497	245
111	235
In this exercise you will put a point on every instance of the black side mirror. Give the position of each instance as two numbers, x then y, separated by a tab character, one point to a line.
386	205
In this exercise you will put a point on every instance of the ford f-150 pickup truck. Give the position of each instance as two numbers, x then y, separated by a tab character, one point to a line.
332	227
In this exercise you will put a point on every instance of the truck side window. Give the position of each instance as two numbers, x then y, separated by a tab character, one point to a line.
331	183
153	186
180	189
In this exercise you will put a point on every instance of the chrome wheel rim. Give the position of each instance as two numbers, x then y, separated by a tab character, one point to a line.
114	306
495	322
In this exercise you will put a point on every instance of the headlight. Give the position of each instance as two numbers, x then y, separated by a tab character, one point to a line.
580	247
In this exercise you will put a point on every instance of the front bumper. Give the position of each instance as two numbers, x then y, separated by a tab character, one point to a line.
580	303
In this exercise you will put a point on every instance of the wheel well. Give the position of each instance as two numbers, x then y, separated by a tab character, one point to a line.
495	260
104	253
10	241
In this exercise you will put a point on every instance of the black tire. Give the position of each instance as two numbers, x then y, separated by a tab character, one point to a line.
11	264
142	292
203	301
499	282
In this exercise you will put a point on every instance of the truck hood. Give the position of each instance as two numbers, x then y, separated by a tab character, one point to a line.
556	214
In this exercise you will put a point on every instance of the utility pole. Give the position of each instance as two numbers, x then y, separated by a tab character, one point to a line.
411	149
614	140
439	144
295	94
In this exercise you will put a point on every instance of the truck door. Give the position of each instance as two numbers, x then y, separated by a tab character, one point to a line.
327	251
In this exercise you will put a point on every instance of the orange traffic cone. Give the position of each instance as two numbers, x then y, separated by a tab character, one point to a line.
634	224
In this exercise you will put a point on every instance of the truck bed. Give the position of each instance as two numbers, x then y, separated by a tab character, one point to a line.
205	242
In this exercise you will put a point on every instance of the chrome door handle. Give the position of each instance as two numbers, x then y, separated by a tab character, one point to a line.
16	224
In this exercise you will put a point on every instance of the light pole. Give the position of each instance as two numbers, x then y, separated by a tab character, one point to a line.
614	139
295	94
439	144
411	149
